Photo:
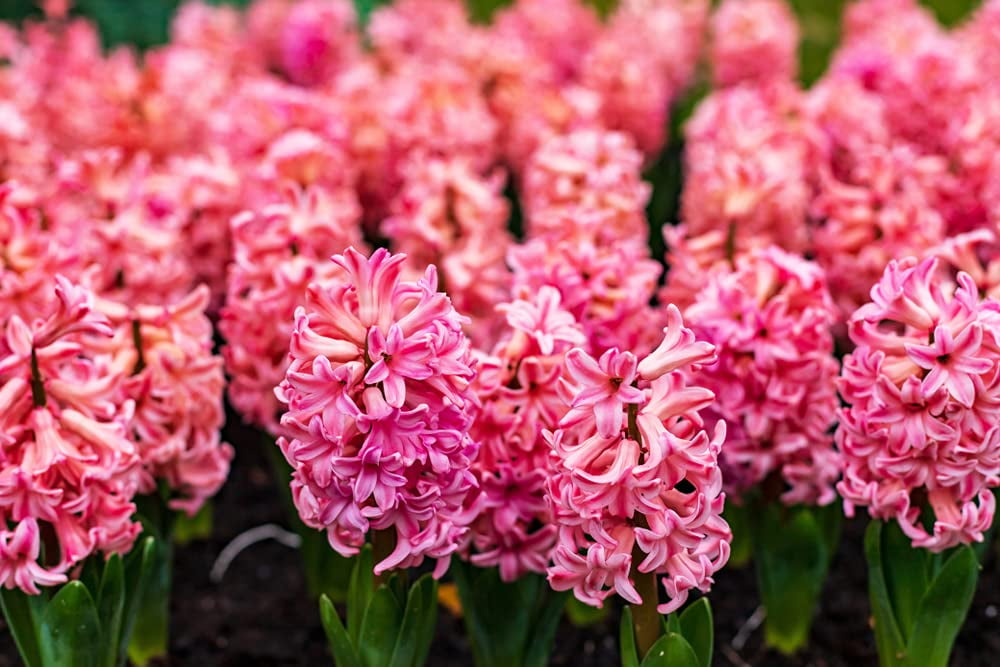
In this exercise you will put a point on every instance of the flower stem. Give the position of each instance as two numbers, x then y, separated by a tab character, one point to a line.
645	617
37	384
140	362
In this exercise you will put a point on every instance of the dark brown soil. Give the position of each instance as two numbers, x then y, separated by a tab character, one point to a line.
261	614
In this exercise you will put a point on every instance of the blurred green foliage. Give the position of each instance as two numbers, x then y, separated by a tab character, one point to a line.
144	23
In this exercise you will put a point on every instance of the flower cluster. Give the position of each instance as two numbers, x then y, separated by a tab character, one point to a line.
69	466
890	152
518	389
106	394
753	41
584	204
379	407
175	384
637	489
450	216
920	436
746	165
771	319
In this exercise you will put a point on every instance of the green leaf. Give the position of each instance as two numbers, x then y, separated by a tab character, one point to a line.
943	610
190	528
671	650
671	623
23	612
364	9
626	640
70	631
545	621
111	607
792	552
417	628
359	592
888	638
138	570
150	628
380	628
508	623
907	575
698	630
343	651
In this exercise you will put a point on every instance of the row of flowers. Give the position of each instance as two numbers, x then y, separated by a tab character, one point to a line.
542	403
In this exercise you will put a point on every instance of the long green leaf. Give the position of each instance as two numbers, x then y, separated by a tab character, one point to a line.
359	591
697	629
198	527
23	612
150	629
138	570
415	632
111	607
888	638
343	651
626	640
943	610
380	628
792	556
507	623
907	575
671	650
71	633
544	624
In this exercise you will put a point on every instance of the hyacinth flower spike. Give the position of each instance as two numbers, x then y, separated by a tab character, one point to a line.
921	448
637	492
71	570
380	407
770	317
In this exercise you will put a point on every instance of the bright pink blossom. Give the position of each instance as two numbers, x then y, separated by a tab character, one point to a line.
919	435
518	388
379	407
68	462
639	490
770	319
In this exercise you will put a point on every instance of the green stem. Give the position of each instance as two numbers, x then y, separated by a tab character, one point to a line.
140	362
645	617
37	385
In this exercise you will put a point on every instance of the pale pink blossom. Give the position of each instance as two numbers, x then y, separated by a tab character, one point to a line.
176	385
591	172
449	215
607	288
278	251
746	159
753	41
